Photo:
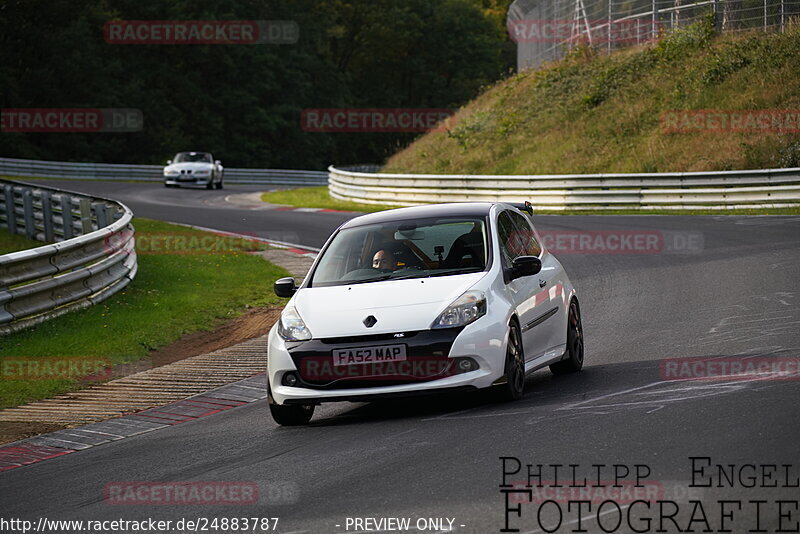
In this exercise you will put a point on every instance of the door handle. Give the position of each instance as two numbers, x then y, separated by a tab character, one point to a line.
542	283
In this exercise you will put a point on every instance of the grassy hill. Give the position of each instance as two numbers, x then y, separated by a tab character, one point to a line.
592	112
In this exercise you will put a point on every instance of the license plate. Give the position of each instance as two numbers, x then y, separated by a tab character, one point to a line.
384	353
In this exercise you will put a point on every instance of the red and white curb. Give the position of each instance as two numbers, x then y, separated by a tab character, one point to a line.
40	448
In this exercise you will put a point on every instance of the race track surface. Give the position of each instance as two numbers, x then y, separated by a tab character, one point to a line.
734	295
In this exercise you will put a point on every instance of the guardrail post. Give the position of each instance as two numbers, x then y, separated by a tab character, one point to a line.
27	211
85	208
47	216
11	211
66	216
100	214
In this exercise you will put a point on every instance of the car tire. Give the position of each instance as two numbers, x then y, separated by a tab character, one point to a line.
210	184
574	353
514	386
289	414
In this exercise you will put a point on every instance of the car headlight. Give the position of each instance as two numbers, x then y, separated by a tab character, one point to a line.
170	172
464	310
291	326
203	172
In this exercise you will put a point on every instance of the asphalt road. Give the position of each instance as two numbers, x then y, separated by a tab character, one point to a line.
202	207
734	295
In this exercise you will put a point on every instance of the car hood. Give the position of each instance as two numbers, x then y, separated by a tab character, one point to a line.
398	305
189	166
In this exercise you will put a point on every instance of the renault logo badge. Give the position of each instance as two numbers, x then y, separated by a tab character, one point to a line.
370	321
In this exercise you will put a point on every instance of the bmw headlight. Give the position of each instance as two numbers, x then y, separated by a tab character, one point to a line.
171	172
464	310
291	326
203	172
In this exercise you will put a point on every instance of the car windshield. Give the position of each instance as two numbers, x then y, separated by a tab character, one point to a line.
189	157
404	249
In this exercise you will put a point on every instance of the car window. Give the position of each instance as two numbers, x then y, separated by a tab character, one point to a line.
525	239
189	157
404	249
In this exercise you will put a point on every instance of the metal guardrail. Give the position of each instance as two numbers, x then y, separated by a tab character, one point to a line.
150	173
92	255
764	188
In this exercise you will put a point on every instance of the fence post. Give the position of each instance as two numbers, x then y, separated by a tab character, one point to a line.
653	22
765	15
783	17
717	17
47	216
609	26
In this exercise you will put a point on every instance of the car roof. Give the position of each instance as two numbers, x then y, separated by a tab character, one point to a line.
454	209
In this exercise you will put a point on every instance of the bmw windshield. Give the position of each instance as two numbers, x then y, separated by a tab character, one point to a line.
191	157
404	249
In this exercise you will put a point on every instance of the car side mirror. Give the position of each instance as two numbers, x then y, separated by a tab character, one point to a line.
285	287
169	162
525	266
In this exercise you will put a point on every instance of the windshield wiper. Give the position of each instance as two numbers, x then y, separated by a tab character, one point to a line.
438	272
416	274
458	270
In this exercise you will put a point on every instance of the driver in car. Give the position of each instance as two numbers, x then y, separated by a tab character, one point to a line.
384	260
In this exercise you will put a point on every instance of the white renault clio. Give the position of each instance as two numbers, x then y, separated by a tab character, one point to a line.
419	300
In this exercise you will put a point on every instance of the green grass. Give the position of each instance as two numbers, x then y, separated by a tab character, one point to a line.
598	113
317	197
13	243
173	294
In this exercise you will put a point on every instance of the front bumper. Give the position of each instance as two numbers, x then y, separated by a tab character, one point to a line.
482	342
187	180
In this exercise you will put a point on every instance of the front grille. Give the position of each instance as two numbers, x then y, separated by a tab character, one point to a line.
398	337
427	359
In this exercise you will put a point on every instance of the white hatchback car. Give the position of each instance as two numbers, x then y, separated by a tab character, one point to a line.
420	300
